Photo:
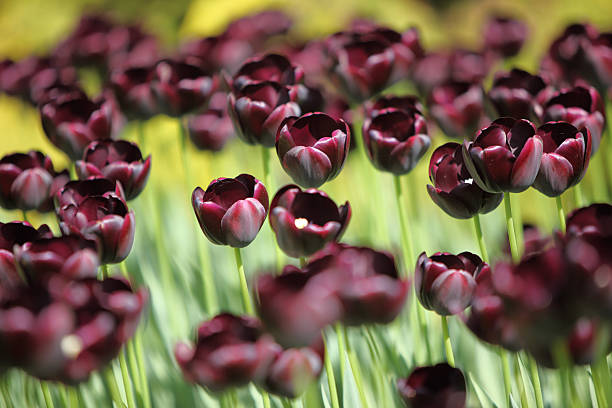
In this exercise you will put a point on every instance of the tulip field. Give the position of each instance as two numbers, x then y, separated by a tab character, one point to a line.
305	204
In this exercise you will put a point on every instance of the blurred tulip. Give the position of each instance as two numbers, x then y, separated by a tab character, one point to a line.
439	386
404	102
232	210
312	148
258	110
518	94
596	219
210	130
257	28
132	88
267	68
599	60
29	182
117	161
504	157
305	220
229	351
504	36
396	139
565	157
457	108
454	190
445	283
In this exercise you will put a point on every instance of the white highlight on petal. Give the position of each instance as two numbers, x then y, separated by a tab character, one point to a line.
300	223
71	345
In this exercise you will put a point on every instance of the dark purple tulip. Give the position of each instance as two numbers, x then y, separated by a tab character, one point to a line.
504	157
533	241
71	256
445	283
304	221
457	108
565	157
90	208
218	53
312	148
232	210
596	219
130	47
259	27
179	88
70	329
132	88
73	124
87	44
518	94
599	59
439	386
29	182
210	130
310	99
504	36
582	107
396	139
117	161
405	102
453	189
296	305
229	351
267	68
258	110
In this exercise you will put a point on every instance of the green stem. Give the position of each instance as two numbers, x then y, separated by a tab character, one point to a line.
535	378
111	383
517	218
503	356
64	395
73	397
331	380
448	347
560	213
341	353
519	381
510	225
354	363
24	215
244	289
597	385
104	271
46	394
127	384
265	397
563	362
265	161
480	238
134	373
142	369
578	196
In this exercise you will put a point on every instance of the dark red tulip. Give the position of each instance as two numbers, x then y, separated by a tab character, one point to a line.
213	54
310	99
533	241
504	157
117	161
312	148
596	219
439	386
565	157
518	94
504	36
267	68
445	283
396	139
229	351
259	27
73	124
599	60
258	110
582	107
305	220
232	210
296	305
129	46
71	256
90	208
132	88
457	108
405	102
210	130
29	182
454	189
366	281
70	329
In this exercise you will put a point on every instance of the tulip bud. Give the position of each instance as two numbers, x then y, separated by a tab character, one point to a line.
504	36
457	108
433	386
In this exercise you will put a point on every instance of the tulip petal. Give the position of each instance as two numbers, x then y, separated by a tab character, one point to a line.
554	175
307	166
527	164
242	222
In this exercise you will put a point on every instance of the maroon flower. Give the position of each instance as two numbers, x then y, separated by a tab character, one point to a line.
229	351
29	182
211	129
232	210
504	157
305	220
433	386
454	190
87	44
73	124
504	36
313	147
445	283
599	60
258	110
117	161
405	102
217	53
594	220
90	208
132	88
257	28
518	94
267	68
582	107
457	108
565	157
396	139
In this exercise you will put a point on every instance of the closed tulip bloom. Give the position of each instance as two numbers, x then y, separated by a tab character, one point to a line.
257	111
505	156
454	189
75	192
304	221
445	283
259	27
599	60
582	107
457	108
117	161
504	36
518	94
73	124
396	139
132	88
405	102
28	181
439	386
312	148
212	128
71	256
271	68
229	351
565	157
232	210
595	220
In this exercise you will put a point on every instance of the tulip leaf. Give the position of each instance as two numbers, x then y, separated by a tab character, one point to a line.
483	398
